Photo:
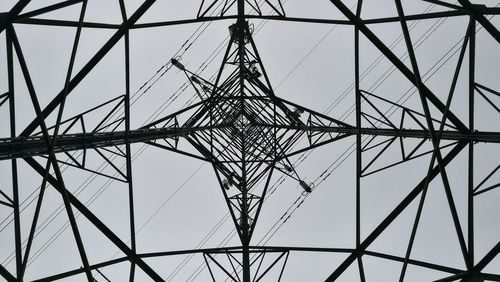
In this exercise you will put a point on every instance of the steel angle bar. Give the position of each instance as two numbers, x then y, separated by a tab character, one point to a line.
415	262
90	65
478	15
395	213
48	9
81	270
6	18
95	221
6	274
435	139
397	62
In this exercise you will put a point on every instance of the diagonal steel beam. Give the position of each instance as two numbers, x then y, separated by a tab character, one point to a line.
488	258
440	132
77	271
6	274
36	105
90	65
6	18
479	16
419	263
397	62
63	23
48	9
444	4
395	213
95	220
434	138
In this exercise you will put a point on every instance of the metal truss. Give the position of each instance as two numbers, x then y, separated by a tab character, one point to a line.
247	133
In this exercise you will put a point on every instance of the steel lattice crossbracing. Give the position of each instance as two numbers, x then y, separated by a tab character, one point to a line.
255	139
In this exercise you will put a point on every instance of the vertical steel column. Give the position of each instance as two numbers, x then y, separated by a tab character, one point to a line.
359	163
470	223
241	28
15	184
128	152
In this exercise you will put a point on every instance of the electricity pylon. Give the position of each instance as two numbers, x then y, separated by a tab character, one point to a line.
247	133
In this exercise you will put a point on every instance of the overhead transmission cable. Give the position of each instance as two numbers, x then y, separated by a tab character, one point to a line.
138	94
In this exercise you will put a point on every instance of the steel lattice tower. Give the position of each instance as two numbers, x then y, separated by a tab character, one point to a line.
247	133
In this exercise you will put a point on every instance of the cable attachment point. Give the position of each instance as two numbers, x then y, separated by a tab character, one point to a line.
307	187
176	62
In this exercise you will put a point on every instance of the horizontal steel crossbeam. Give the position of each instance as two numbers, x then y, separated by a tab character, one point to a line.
21	147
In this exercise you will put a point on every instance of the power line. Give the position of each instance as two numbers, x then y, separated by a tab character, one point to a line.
138	94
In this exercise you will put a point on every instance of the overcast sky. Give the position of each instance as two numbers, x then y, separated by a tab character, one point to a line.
178	203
